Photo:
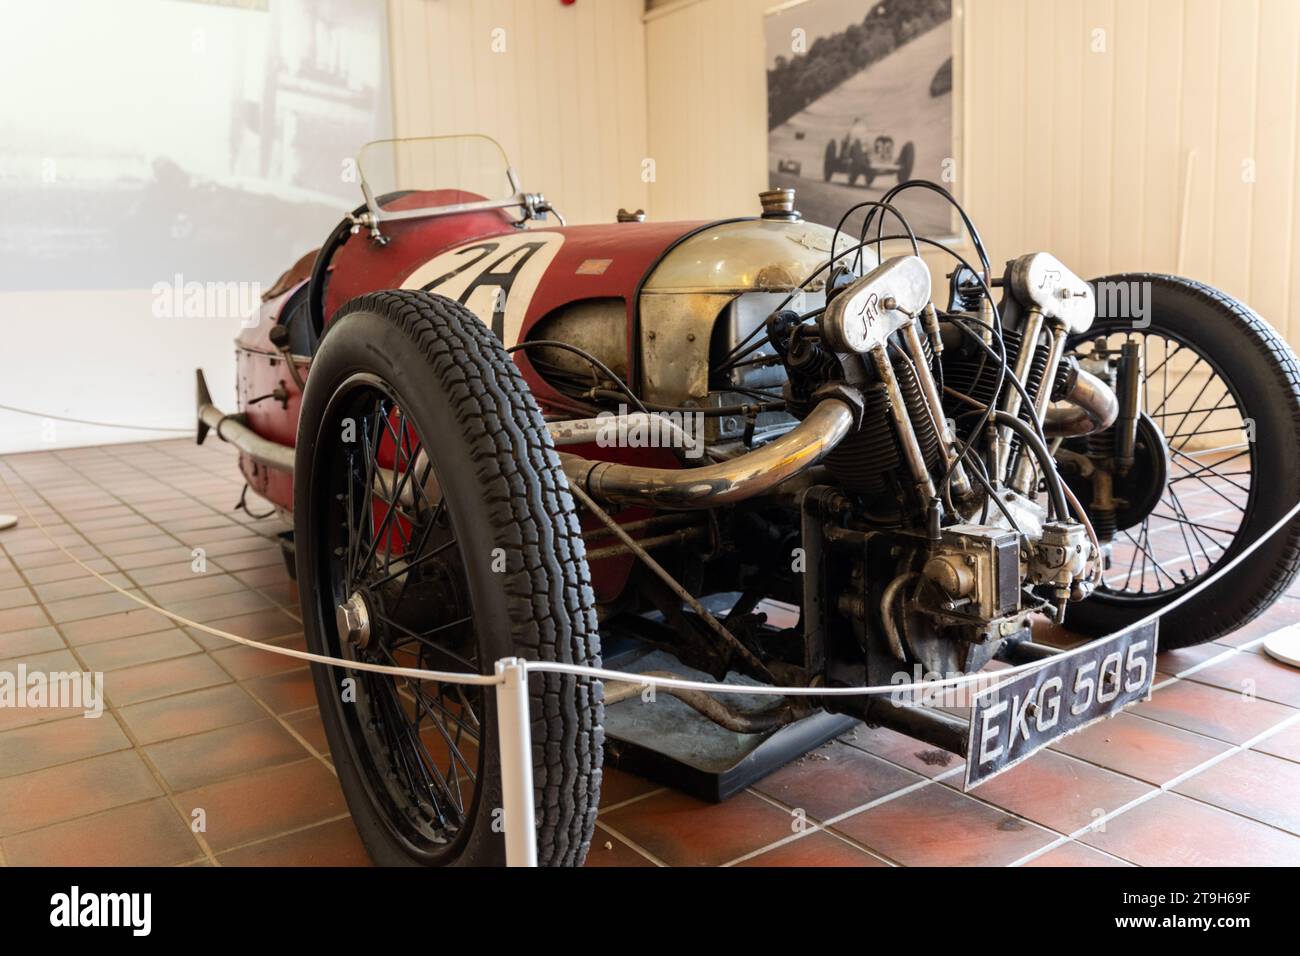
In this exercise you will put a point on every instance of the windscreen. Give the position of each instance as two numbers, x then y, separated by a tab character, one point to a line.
472	164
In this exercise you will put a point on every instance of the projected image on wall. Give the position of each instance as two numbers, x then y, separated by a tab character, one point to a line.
215	140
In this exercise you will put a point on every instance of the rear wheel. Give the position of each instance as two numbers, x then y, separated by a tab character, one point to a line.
435	529
1217	464
829	162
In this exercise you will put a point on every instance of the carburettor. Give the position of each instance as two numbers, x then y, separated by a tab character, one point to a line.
1060	558
976	571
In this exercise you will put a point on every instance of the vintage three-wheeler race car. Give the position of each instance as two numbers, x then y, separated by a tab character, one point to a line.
762	446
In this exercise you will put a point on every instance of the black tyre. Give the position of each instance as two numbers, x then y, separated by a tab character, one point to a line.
1214	371
858	163
829	163
906	162
428	493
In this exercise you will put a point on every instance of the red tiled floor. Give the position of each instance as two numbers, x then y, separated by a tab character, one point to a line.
193	761
308	725
936	826
285	693
616	785
329	844
47	744
183	718
1060	792
140	649
34	640
907	751
73	790
816	849
191	713
1285	743
142	834
263	804
1213	711
1075	854
1170	830
682	831
21	618
834	779
1255	785
193	587
124	624
1140	748
142	682
244	663
608	850
1255	675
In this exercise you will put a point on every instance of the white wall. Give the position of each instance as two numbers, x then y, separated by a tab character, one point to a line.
104	356
565	97
562	88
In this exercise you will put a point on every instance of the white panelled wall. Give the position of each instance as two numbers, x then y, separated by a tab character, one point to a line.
1119	134
561	87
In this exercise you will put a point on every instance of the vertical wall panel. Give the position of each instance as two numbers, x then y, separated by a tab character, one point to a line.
1235	162
1128	45
1098	66
1272	282
566	98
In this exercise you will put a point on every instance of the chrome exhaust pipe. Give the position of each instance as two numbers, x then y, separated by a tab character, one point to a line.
745	476
742	477
234	429
1089	405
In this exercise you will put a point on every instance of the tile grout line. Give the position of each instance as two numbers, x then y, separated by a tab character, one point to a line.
1168	786
311	751
1227	654
135	744
99	813
631	843
835	834
830	822
291	832
630	800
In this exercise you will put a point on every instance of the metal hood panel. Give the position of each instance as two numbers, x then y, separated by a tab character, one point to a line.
753	255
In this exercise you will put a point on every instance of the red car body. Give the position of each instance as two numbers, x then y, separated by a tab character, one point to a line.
604	261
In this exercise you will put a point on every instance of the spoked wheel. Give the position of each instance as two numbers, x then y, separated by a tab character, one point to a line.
435	529
1217	462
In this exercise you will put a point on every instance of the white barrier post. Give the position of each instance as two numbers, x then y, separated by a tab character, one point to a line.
514	740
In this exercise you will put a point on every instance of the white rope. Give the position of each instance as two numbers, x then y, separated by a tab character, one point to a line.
451	677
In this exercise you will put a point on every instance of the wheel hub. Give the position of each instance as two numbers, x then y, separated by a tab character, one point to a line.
354	620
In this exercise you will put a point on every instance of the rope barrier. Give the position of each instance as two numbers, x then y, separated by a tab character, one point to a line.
86	421
512	699
582	670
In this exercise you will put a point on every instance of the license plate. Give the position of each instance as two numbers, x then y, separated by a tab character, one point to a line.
1018	717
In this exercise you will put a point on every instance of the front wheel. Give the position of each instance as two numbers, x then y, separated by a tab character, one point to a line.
435	529
1217	461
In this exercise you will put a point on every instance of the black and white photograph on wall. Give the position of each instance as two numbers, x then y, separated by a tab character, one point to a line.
859	99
